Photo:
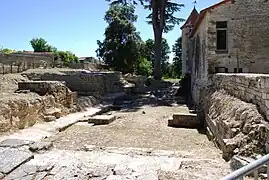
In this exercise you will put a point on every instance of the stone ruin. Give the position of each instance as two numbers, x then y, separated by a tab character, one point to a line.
237	126
48	95
235	111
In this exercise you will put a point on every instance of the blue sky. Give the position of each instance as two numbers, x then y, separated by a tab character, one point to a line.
73	25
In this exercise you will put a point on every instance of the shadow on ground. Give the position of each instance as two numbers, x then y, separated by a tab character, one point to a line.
150	97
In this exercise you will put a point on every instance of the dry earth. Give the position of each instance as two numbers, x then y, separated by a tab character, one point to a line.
143	132
143	128
137	145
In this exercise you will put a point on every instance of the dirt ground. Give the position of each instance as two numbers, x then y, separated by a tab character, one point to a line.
143	128
147	128
140	126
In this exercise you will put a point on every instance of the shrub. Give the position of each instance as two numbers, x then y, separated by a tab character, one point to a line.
144	67
66	57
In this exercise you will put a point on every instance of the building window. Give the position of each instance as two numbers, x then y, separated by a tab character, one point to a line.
222	36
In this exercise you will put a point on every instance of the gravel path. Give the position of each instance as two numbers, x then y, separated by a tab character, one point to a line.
136	129
138	145
147	129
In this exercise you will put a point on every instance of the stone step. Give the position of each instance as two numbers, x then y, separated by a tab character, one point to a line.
185	120
102	119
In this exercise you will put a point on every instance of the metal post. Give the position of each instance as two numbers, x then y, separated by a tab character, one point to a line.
267	171
256	175
246	170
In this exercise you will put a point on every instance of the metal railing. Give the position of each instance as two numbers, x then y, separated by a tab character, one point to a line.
250	168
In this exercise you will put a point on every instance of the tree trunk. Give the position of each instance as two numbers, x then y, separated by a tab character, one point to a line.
158	21
158	55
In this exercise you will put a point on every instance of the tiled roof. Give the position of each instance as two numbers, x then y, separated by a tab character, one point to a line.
203	13
191	19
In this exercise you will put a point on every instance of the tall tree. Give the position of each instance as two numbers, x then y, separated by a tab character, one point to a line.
162	20
165	65
177	60
150	53
149	50
121	46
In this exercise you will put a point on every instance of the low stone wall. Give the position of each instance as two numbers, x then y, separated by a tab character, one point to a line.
15	63
252	88
25	107
236	108
237	126
87	66
84	82
61	93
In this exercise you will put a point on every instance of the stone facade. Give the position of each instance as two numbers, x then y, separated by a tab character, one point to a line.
247	41
186	30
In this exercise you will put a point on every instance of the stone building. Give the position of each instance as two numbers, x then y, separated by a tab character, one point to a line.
231	36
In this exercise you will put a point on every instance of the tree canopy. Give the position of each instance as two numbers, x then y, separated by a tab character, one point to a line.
162	19
177	60
150	51
121	47
41	45
66	57
6	51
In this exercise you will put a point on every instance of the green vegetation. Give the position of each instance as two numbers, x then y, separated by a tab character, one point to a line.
162	20
41	45
144	67
121	46
124	50
66	57
150	51
177	60
6	51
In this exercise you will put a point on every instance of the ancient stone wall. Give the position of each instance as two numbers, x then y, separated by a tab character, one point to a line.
237	112
14	63
84	82
237	126
61	93
87	66
252	88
